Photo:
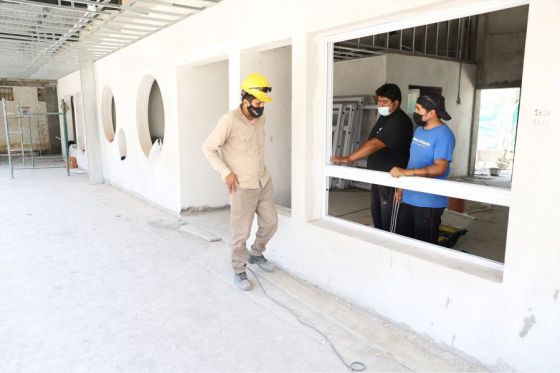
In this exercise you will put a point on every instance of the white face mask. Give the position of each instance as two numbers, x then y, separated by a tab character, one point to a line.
383	110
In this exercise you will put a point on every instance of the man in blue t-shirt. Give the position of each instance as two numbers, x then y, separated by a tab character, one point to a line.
431	152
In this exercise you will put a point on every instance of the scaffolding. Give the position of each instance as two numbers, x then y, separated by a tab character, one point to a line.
30	154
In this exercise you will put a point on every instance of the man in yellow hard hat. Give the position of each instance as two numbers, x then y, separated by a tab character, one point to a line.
235	149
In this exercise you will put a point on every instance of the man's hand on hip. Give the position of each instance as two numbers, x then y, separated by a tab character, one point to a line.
231	181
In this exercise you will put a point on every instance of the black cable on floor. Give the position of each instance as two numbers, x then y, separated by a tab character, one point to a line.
355	366
351	212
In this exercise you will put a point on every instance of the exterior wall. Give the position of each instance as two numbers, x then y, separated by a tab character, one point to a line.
532	273
26	97
506	319
156	180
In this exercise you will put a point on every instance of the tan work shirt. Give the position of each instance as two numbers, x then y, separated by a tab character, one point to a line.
242	149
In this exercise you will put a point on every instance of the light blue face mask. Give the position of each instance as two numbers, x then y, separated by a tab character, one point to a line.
383	110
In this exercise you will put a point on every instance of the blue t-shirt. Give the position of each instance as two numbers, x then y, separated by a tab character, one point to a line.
426	147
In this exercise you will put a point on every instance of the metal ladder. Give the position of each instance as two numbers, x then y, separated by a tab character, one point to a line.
347	126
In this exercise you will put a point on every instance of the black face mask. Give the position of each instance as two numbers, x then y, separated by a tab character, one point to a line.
255	112
418	119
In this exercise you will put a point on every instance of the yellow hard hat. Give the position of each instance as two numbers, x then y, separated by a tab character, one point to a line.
257	85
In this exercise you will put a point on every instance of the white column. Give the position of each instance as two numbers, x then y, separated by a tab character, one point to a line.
91	122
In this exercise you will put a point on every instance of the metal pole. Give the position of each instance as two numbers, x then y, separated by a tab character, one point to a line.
426	39
39	136
467	50
18	109
458	38
447	46
437	39
64	135
5	108
400	39
31	142
413	38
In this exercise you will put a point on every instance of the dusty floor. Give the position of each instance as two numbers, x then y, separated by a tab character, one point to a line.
486	231
95	280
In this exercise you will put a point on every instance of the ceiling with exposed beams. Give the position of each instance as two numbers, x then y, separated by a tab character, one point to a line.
45	39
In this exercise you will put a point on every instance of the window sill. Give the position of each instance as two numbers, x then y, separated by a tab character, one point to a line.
453	259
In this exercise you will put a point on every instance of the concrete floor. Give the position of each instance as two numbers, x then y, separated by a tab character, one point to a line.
485	237
95	280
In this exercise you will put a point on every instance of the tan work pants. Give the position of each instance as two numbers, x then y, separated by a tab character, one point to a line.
244	203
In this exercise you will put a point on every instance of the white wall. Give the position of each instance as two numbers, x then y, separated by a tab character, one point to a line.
360	77
465	305
276	65
460	304
364	75
203	97
532	276
156	180
411	70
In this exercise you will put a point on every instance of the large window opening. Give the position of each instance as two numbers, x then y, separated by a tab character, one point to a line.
475	62
475	228
496	132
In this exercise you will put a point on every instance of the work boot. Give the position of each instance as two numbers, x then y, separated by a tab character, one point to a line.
261	261
242	282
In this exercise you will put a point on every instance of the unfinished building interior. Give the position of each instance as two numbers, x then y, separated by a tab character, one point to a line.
476	62
114	234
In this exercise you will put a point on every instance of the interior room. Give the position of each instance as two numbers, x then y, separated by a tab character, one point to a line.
476	64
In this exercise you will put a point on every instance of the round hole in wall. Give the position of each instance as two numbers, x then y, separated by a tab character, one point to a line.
122	144
108	114
150	115
114	115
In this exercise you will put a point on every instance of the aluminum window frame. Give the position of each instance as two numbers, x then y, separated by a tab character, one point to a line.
472	192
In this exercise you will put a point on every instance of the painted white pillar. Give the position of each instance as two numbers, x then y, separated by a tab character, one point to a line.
91	123
234	68
533	234
299	130
532	261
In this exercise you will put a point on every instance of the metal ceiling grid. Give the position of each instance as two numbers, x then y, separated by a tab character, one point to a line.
45	39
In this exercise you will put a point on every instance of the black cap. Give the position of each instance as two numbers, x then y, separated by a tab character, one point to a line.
433	101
